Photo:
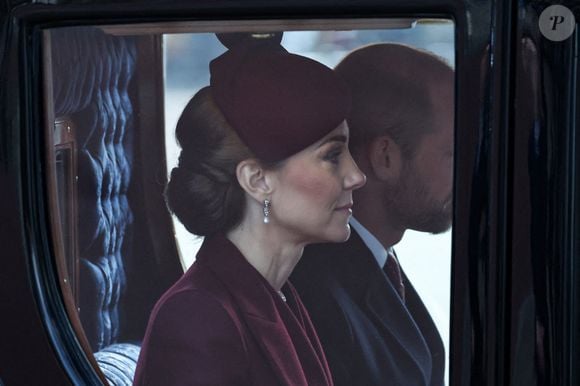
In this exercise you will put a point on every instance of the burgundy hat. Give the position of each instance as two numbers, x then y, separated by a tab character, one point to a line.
278	103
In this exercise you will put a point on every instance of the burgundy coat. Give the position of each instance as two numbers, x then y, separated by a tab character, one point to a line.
223	324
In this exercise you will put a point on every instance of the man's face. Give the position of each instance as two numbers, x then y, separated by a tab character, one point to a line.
423	196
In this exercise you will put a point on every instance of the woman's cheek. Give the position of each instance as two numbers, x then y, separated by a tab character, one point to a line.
315	186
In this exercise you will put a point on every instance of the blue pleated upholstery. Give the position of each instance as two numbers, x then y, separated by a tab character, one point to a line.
118	363
92	72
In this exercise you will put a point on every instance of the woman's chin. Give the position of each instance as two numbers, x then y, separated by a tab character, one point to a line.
346	233
340	235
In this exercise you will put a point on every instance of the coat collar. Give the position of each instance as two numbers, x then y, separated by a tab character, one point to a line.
292	349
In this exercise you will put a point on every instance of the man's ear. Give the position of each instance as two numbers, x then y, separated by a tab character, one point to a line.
252	177
385	158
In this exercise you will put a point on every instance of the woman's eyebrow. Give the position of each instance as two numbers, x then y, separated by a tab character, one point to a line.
334	138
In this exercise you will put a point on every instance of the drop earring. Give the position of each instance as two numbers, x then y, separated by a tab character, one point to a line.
266	210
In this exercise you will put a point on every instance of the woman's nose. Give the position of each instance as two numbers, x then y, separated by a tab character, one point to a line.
354	178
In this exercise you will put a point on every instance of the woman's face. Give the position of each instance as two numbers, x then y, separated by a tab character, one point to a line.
312	199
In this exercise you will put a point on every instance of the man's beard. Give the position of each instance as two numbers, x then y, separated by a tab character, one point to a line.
414	207
437	219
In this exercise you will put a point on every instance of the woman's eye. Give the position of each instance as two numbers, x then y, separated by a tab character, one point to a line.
333	155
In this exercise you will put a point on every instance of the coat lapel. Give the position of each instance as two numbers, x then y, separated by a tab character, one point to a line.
275	328
428	329
392	316
385	305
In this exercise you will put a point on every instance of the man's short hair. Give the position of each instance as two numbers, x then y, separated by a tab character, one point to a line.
393	89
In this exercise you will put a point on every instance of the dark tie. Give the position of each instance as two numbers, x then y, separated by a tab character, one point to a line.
393	271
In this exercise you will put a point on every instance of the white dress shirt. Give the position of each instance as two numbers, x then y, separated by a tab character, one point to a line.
373	244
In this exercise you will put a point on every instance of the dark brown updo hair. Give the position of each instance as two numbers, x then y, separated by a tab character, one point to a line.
203	190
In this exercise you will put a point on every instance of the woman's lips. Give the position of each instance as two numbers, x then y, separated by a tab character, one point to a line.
346	207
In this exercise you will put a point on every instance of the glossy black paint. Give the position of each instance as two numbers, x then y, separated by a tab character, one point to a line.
25	340
515	233
546	149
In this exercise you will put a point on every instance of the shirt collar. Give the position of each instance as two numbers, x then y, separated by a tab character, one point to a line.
373	244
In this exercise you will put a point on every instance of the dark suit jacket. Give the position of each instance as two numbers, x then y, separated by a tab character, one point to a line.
223	324
369	336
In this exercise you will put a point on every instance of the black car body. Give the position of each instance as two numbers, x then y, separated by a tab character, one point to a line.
516	241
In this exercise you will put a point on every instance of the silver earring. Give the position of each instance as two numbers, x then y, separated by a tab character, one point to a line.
266	210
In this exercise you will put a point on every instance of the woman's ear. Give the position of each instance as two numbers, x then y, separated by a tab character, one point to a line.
252	178
385	158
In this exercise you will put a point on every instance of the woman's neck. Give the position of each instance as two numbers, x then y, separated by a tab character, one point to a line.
273	257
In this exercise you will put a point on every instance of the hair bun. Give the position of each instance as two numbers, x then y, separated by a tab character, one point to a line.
248	39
